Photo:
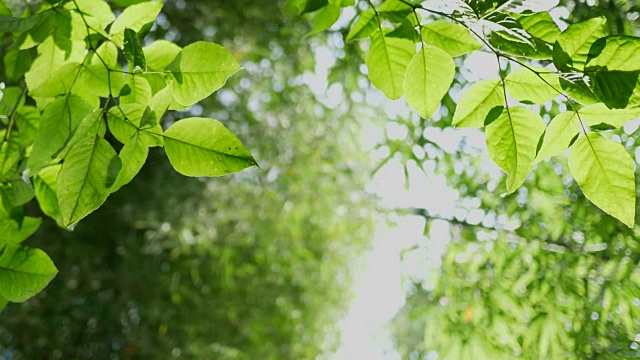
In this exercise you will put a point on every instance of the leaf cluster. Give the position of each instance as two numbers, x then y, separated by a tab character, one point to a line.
82	103
411	51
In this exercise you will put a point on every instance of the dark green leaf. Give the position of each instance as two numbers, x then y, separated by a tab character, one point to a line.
133	50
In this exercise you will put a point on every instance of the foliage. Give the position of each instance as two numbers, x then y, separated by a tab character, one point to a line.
537	62
66	96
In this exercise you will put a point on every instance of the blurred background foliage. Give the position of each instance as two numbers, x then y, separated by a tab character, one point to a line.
249	266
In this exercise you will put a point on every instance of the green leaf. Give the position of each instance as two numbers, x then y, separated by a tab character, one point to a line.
506	26
477	102
564	128
559	134
16	63
59	83
12	231
572	47
99	81
387	62
95	13
134	17
540	25
50	59
24	271
160	54
10	155
45	188
604	171
525	86
106	55
204	147
12	100
133	51
140	91
431	72
86	177
366	24
395	11
59	120
512	140
614	88
133	156
324	18
616	52
575	86
599	114
126	120
200	69
19	25
450	37
537	49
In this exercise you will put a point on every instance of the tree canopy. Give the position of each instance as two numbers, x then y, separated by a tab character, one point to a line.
91	89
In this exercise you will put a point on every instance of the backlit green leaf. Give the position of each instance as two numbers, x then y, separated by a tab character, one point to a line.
387	62
526	86
512	140
614	88
324	18
58	121
50	59
134	17
24	271
560	132
86	177
366	24
477	102
45	188
204	147
200	69
133	51
616	52
600	114
133	155
572	47
450	37
604	171
431	73
126	121
541	26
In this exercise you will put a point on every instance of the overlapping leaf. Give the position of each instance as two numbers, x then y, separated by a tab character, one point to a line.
204	147
432	71
477	102
387	62
450	37
572	47
86	177
198	70
604	171
512	140
537	87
